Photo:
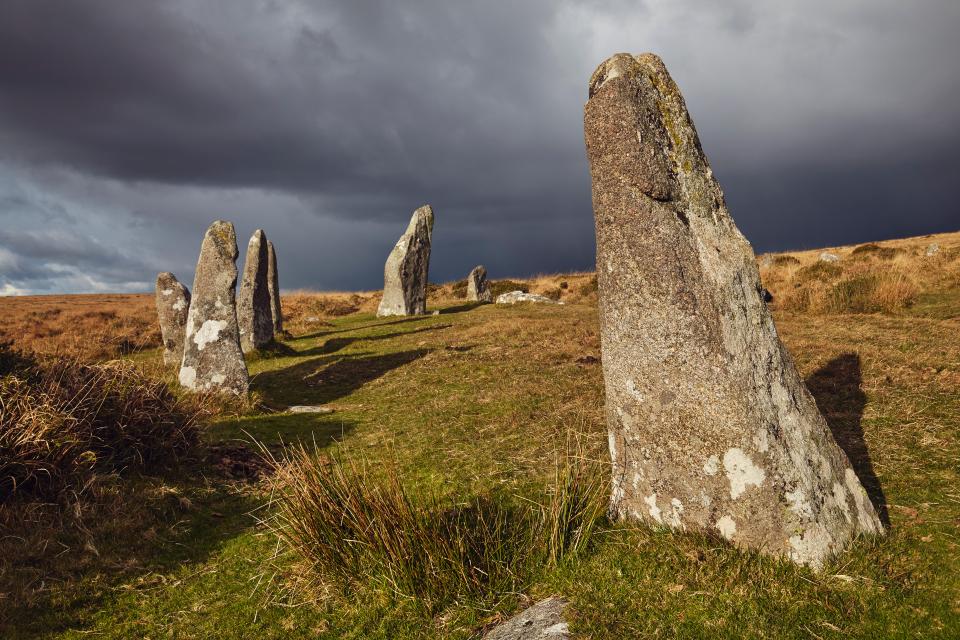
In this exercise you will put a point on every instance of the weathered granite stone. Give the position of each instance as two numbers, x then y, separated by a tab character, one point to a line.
253	303
710	425
513	297
542	621
828	257
273	285
309	408
405	273
212	360
932	250
478	289
173	305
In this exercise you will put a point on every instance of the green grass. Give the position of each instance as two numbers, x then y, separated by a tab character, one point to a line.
477	402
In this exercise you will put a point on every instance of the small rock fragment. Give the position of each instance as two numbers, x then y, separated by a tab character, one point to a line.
542	621
513	297
828	257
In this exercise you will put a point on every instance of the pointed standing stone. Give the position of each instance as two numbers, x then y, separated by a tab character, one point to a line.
253	303
405	273
273	285
173	305
710	425
478	290
212	360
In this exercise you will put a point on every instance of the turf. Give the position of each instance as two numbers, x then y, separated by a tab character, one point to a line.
478	399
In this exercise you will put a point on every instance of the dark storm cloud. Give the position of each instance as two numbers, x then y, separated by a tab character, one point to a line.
133	124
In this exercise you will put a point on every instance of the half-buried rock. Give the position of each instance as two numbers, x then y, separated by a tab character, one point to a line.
173	305
253	304
405	273
478	289
273	285
710	425
212	360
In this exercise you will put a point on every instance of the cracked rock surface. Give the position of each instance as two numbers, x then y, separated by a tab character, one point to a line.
542	621
710	425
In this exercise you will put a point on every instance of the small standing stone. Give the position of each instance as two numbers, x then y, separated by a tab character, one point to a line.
273	284
405	273
932	250
828	257
710	425
212	359
253	303
173	305
478	289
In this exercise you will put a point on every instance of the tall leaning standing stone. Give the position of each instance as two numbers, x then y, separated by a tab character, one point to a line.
407	267
273	285
478	290
253	303
212	360
173	305
710	425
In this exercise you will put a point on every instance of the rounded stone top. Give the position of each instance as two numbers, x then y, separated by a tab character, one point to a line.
625	65
223	237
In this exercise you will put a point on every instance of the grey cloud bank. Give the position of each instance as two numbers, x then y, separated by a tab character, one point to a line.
126	128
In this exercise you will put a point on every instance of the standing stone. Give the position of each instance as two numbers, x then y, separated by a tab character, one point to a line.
253	303
273	285
710	425
212	360
173	304
405	273
932	250
478	290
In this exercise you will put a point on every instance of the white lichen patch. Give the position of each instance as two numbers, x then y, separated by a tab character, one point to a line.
167	292
633	391
840	498
812	547
637	478
760	440
741	472
188	377
798	503
727	526
218	378
672	516
209	332
711	466
655	513
179	305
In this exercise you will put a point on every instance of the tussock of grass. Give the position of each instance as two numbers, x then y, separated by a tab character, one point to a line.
356	527
62	422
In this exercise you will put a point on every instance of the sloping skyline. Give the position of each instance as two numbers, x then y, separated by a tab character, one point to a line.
126	128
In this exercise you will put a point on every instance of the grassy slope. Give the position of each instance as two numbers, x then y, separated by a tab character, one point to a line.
481	397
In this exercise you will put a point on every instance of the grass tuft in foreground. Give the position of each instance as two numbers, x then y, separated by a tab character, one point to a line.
356	527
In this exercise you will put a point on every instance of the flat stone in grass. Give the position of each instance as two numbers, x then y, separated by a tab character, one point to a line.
710	425
542	621
253	304
829	257
304	408
405	272
514	297
478	289
212	359
273	285
173	306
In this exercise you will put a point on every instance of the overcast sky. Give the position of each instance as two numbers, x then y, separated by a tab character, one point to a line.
126	127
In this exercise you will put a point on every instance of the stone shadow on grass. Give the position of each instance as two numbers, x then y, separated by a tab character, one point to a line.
836	387
320	334
274	429
336	344
312	383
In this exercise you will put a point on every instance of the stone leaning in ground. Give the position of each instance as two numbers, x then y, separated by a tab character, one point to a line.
710	425
212	359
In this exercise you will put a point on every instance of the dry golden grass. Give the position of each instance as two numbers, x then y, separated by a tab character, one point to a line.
876	277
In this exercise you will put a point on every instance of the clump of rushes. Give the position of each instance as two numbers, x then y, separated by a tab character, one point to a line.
354	528
63	421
